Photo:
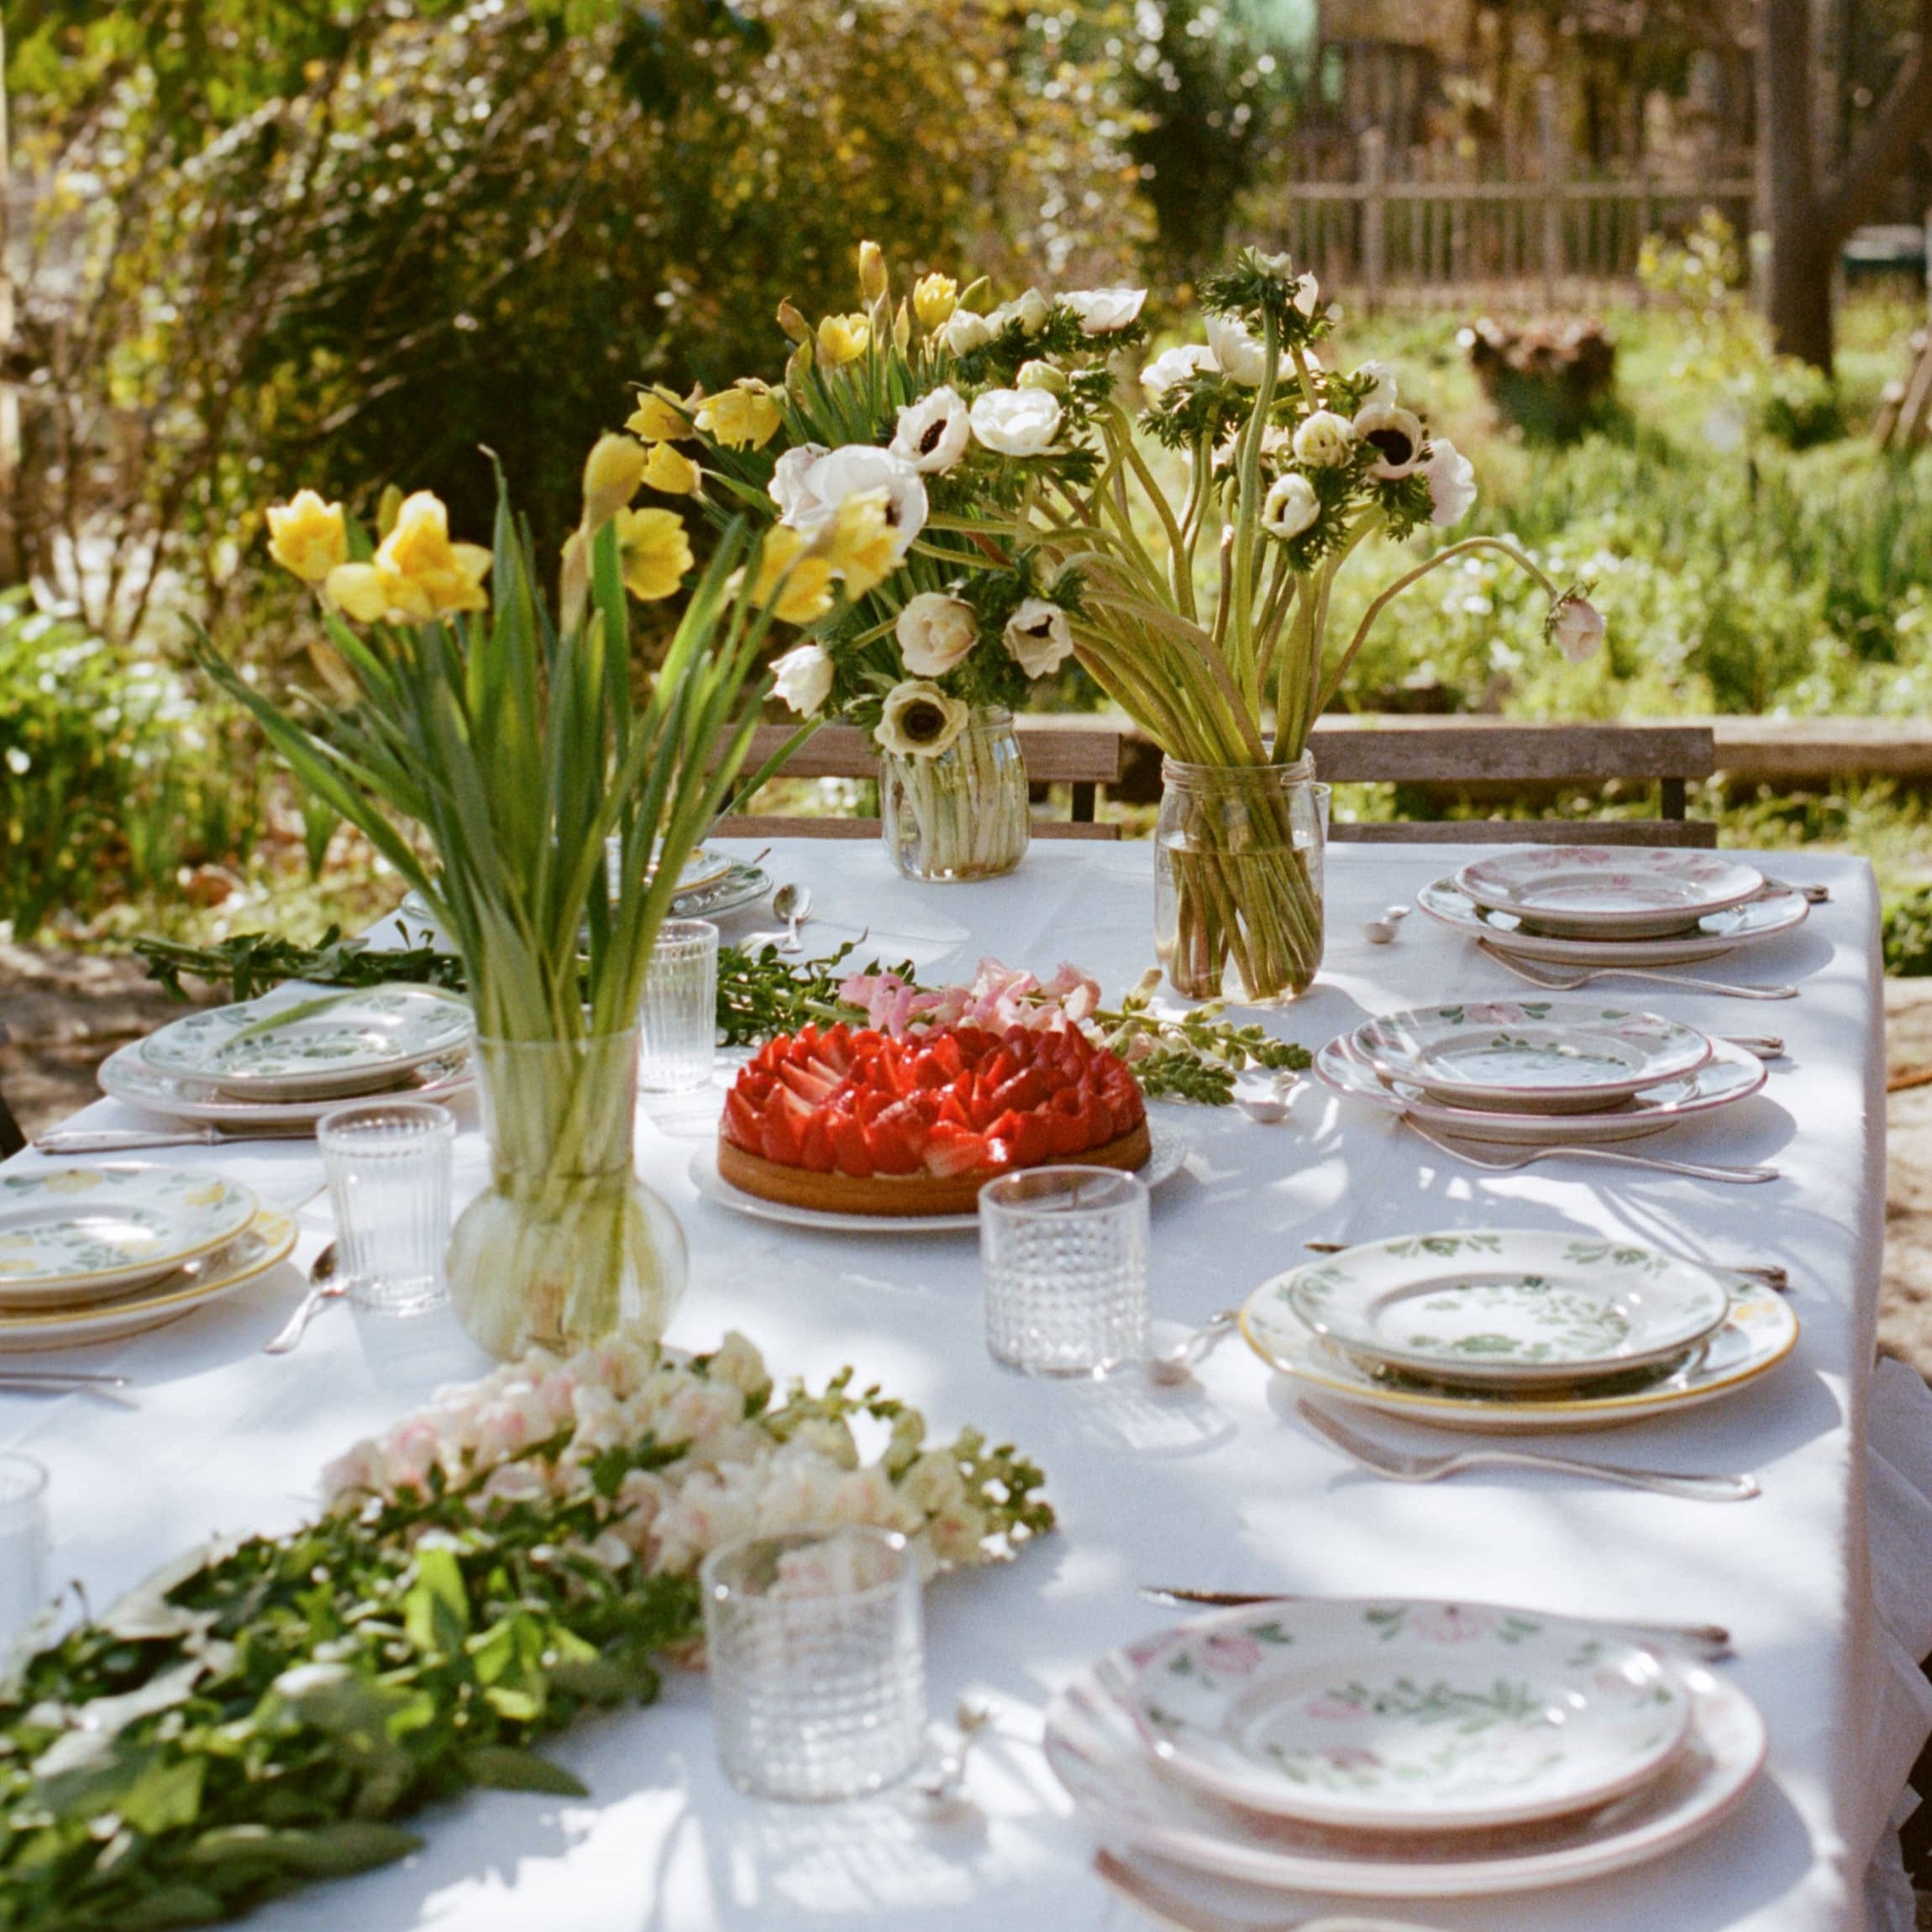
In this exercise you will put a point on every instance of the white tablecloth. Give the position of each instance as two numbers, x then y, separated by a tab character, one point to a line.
1218	1488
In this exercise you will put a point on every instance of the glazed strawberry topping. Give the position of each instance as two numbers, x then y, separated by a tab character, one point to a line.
948	1101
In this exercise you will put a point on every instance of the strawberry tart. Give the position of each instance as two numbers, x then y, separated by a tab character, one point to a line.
853	1121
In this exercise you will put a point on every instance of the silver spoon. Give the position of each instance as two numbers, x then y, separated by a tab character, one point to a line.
791	903
1178	1364
941	1784
323	1285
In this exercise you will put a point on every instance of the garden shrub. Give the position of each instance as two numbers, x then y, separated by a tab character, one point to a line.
1552	378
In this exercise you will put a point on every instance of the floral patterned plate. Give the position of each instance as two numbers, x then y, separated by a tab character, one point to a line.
1530	1056
1404	1716
1512	1307
269	1238
1759	1332
1100	1756
125	1076
77	1233
308	1047
1621	892
1730	1075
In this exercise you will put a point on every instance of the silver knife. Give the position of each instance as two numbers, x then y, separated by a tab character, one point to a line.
124	1140
1711	1641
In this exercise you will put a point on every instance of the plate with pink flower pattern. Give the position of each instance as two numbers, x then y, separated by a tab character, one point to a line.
1400	1716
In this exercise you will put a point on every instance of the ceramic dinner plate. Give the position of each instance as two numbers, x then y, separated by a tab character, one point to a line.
1759	1331
1530	1056
1623	892
77	1233
1403	1716
1099	1755
125	1076
1714	935
312	1045
1169	1157
740	886
1509	1306
1730	1075
269	1238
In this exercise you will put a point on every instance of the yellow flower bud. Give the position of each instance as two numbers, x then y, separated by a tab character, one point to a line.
670	472
656	551
660	418
934	298
743	416
308	536
793	324
871	271
842	339
861	548
611	473
902	327
800	584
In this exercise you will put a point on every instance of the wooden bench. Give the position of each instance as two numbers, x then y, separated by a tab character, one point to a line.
1084	758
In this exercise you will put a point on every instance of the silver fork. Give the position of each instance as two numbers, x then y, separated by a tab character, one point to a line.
1400	1466
1559	979
1511	1163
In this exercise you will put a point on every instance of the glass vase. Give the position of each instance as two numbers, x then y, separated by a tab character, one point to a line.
961	814
1237	880
566	1244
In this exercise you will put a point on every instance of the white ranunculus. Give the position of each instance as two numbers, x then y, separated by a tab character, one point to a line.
849	472
1451	482
1291	506
935	632
1240	355
1102	310
933	431
1577	628
966	331
920	720
1039	636
1395	434
1173	365
804	680
788	479
1324	439
1017	422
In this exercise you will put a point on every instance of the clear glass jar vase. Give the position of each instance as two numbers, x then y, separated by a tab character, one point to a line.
566	1244
962	813
1237	880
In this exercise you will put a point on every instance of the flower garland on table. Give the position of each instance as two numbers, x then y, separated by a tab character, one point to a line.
253	1718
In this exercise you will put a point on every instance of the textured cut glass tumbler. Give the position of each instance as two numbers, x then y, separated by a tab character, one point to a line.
1064	1253
388	1165
22	1543
678	1019
818	1659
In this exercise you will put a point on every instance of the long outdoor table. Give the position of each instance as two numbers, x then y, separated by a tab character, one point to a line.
1217	1488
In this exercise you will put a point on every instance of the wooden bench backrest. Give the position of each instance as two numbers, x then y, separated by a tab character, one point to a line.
1055	754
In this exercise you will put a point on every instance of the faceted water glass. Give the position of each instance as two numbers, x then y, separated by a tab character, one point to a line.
388	1165
22	1543
818	1661
677	1020
1064	1253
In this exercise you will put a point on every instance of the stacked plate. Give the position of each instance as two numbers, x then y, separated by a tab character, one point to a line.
90	1253
1589	906
710	884
282	1060
1518	1329
1539	1071
1401	1749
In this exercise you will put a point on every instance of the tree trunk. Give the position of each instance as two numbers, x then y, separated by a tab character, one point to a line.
1799	293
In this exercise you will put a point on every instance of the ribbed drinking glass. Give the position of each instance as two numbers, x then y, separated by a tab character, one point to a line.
677	1023
22	1543
388	1165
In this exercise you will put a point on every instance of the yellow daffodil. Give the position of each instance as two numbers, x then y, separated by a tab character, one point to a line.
670	472
656	551
802	585
308	536
934	298
660	418
872	283
861	549
841	338
742	417
417	574
611	473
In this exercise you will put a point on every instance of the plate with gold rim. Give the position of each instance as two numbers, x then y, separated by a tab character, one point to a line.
1613	892
124	1075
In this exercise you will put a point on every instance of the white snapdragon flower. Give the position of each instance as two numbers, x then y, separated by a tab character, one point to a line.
1451	482
933	431
1577	626
920	720
850	471
1241	355
1102	311
1173	365
1039	636
804	680
1017	422
1291	506
935	633
965	332
1396	434
1324	439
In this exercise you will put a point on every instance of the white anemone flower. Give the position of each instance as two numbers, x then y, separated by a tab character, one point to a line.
966	331
1102	311
787	485
1039	636
1396	434
1324	439
933	431
1307	294
1173	365
850	471
1381	381
1240	353
1031	311
1451	482
1291	506
1577	625
935	633
804	680
1017	422
920	720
